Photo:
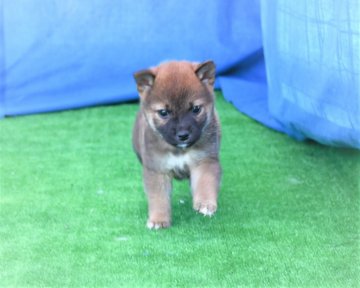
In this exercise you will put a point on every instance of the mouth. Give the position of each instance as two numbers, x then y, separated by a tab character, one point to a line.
182	145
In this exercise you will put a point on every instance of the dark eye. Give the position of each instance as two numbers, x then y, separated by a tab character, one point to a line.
196	109
163	113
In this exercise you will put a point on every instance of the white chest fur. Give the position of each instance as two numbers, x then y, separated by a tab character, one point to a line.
182	161
178	162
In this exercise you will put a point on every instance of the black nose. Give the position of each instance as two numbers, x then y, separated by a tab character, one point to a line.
183	135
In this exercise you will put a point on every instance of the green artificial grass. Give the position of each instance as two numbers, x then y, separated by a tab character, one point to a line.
73	210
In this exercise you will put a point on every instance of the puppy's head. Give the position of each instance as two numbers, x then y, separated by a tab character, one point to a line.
177	100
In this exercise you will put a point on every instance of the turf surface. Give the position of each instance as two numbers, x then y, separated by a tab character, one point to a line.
73	211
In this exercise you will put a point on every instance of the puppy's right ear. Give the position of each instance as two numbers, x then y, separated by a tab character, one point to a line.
144	80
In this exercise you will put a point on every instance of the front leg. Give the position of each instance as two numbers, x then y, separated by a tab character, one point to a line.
158	189
205	180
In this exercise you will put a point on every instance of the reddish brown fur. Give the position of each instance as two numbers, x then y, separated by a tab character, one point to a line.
175	86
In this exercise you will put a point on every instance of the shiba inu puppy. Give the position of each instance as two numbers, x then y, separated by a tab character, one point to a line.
177	135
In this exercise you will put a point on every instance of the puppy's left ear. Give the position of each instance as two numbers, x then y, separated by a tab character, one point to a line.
144	80
206	72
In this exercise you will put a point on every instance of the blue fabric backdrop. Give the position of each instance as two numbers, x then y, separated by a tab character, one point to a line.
312	51
64	54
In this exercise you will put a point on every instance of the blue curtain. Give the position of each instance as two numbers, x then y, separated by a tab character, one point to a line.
64	54
312	51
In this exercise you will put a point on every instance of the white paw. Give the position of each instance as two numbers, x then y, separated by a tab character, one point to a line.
205	209
156	225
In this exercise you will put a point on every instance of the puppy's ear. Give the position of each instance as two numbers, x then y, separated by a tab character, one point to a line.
206	72
144	80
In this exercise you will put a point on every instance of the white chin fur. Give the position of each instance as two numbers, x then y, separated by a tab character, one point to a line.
182	146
